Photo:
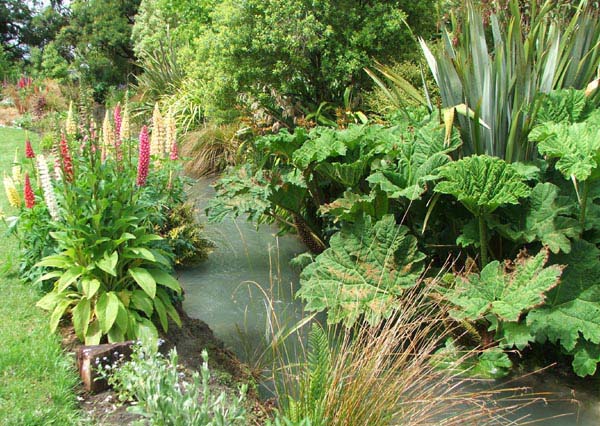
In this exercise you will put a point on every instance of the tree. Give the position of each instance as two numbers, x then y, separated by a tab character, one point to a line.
309	50
15	19
99	41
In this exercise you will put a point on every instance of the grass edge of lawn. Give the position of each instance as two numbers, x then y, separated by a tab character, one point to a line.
38	380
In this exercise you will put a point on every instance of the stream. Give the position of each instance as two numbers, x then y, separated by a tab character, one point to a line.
229	292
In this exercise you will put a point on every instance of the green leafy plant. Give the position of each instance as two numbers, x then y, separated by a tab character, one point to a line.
365	270
308	406
482	184
293	175
408	169
164	395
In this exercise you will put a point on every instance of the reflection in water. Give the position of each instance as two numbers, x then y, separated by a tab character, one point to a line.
228	292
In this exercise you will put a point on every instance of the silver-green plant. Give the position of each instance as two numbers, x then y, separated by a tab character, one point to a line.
163	397
500	82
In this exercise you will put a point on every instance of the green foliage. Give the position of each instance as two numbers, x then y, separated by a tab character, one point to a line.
367	267
571	315
492	363
575	145
505	292
183	234
482	183
410	167
277	51
99	37
294	176
308	407
164	398
544	217
500	79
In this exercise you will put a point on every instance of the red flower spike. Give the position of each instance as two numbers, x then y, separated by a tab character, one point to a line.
29	196
29	149
144	157
67	162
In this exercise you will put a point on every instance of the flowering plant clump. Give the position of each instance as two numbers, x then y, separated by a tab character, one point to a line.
88	232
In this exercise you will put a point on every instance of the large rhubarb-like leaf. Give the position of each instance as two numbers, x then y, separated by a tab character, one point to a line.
482	183
414	163
541	218
567	106
571	315
506	291
577	146
365	270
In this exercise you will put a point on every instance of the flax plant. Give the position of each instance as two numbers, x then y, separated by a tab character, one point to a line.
500	80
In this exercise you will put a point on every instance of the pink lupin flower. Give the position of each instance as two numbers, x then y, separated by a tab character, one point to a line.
118	119
144	157
29	149
67	162
174	151
29	196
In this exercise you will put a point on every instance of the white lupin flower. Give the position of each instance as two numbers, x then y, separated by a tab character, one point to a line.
47	189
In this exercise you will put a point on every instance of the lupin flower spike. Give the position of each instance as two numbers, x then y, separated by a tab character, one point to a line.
157	144
67	162
118	120
144	157
29	196
11	192
174	151
46	183
125	133
70	125
29	149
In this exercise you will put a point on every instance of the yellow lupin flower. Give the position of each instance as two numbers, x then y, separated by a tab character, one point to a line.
70	125
14	199
108	134
125	126
171	130
157	140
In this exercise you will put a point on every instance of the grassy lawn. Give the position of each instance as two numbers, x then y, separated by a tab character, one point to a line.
37	378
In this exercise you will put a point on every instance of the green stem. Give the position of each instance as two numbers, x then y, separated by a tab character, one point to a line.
583	204
483	242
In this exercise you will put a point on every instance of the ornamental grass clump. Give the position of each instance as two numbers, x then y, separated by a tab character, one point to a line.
386	374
